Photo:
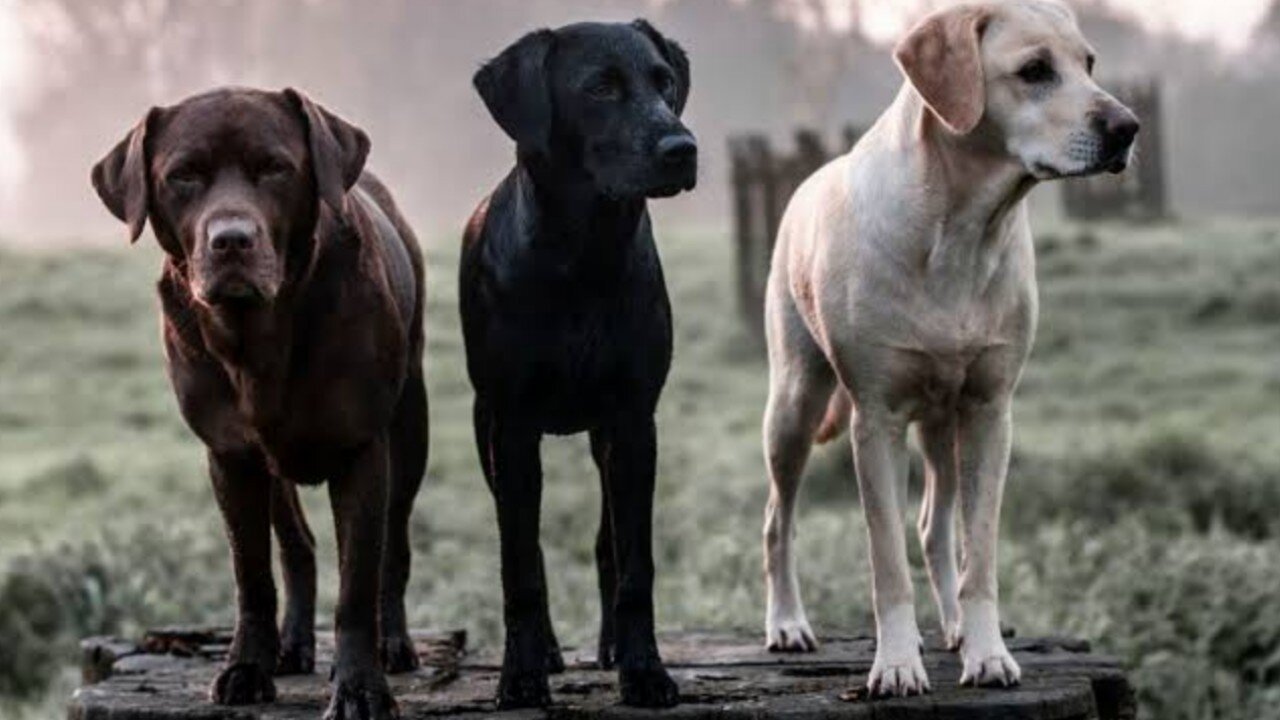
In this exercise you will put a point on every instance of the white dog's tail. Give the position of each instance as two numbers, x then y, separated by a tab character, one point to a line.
837	418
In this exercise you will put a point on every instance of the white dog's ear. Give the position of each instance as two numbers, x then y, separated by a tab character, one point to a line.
942	60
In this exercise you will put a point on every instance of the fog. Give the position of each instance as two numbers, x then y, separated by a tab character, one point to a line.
74	76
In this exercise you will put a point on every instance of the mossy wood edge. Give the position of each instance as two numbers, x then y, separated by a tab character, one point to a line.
165	677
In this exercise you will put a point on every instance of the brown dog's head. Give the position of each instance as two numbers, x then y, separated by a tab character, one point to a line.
232	181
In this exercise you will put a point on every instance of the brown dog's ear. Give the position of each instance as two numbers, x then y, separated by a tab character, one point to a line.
514	88
942	59
338	149
674	55
122	180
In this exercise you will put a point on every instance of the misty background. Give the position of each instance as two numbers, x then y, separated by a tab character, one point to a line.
76	75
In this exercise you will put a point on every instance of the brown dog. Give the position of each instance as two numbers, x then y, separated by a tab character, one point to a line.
292	296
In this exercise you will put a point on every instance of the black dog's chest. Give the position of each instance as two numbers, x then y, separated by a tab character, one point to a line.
577	362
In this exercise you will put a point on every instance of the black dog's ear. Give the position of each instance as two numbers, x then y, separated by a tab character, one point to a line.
122	179
675	56
338	149
515	89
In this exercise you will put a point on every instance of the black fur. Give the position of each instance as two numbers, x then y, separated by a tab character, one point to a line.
568	325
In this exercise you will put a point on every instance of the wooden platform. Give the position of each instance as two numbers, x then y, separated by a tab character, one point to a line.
166	676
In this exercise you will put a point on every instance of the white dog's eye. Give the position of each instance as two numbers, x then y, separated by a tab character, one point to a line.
1037	71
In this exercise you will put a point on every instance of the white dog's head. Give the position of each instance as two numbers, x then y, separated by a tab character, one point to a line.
1019	73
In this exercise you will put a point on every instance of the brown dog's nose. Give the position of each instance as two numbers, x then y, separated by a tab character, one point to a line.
231	235
230	240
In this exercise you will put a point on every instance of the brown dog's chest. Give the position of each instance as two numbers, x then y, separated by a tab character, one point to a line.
305	408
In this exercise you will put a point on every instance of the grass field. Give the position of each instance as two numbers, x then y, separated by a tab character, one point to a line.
1143	509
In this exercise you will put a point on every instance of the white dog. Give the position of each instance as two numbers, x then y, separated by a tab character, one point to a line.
903	291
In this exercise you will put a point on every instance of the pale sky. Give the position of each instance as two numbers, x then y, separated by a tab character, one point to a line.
1227	23
11	64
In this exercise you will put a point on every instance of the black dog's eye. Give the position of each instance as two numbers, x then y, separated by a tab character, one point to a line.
664	82
605	88
1037	71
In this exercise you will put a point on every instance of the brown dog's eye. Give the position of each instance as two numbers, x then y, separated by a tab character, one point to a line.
273	170
1037	71
185	179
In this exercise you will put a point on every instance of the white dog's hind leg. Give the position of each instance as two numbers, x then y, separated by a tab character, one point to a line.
985	435
800	384
879	442
937	521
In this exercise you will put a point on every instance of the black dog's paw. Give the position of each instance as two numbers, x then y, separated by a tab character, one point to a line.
523	690
243	683
648	687
399	655
297	658
355	700
605	658
555	661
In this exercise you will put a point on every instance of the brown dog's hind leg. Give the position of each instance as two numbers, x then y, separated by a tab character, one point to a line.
242	486
359	494
408	464
298	562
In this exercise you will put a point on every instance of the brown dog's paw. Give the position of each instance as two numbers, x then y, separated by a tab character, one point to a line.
649	687
523	690
297	658
399	655
242	684
354	700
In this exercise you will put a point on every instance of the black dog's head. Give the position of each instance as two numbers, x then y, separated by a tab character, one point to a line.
232	181
602	98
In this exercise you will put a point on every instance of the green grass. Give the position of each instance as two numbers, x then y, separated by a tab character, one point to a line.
1141	510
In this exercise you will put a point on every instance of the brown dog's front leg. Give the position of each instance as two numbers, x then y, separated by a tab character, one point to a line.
298	565
242	486
358	494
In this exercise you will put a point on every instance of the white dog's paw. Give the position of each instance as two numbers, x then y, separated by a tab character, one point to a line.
995	669
789	634
951	634
987	661
898	676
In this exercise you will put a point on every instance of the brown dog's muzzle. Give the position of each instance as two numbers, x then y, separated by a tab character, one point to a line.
235	263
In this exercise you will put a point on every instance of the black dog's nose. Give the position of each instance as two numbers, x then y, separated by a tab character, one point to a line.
231	240
677	149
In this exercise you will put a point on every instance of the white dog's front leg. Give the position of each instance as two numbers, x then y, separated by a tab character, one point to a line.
879	443
985	438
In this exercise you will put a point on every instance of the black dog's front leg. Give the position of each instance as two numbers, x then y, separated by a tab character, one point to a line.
358	495
510	453
631	452
606	570
242	485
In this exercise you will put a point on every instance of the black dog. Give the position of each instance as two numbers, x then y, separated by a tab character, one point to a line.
567	322
292	298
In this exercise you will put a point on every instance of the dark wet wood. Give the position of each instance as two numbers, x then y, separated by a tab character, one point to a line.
166	675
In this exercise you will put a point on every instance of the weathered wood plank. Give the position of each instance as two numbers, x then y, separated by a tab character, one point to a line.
166	676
